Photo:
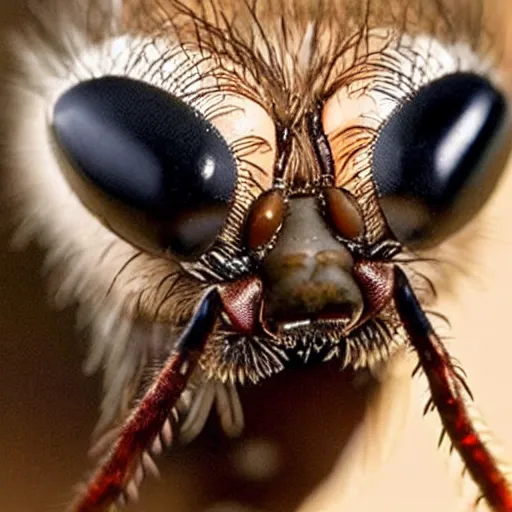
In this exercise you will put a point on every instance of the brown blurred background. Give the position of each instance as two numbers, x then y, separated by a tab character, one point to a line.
298	423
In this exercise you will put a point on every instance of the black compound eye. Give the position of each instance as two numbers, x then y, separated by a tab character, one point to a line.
439	156
147	164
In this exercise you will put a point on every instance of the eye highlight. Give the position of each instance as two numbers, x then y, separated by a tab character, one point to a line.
436	159
147	164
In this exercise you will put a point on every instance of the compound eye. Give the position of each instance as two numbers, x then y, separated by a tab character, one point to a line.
146	164
439	157
264	219
343	213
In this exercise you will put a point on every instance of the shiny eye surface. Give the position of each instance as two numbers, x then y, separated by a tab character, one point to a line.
435	161
343	213
264	219
146	163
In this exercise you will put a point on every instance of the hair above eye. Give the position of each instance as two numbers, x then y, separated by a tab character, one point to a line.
439	156
148	165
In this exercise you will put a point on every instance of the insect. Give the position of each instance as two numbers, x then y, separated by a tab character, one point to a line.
230	188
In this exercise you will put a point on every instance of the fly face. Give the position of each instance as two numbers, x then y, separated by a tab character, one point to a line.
259	193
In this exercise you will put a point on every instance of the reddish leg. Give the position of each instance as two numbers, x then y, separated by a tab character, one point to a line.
148	418
450	398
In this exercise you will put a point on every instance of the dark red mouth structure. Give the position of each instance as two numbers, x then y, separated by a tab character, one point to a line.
382	284
243	306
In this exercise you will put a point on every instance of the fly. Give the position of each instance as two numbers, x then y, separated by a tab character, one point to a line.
250	182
